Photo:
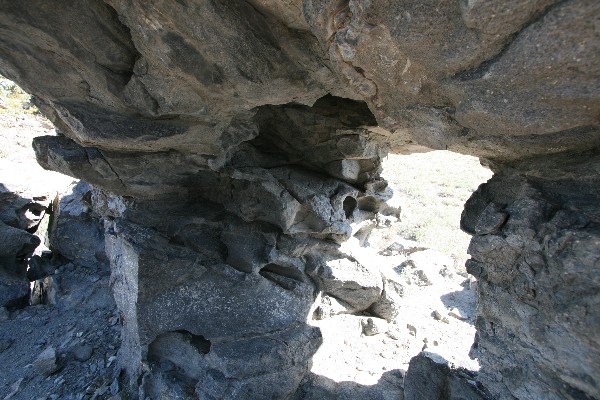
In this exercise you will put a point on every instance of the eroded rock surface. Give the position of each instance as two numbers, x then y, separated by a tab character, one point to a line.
538	276
242	144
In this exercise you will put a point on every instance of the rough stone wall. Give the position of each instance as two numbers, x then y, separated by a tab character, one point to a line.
245	139
235	265
536	254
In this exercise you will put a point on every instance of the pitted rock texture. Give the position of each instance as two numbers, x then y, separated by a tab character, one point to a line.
537	261
259	126
240	290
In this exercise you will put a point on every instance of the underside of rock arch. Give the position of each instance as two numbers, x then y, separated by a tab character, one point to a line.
236	144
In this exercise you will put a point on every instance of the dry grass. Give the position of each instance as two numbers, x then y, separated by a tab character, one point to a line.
14	104
432	189
20	121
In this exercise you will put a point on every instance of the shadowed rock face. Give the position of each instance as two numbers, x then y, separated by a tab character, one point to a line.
241	140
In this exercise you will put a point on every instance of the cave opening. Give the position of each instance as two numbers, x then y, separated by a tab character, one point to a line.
349	206
430	299
251	112
419	250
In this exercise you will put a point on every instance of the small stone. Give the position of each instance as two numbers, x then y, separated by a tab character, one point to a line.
45	364
374	326
110	360
90	389
422	278
114	387
446	273
394	334
436	315
411	329
455	312
82	352
101	391
445	320
435	343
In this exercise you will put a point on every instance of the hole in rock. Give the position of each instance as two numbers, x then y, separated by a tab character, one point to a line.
319	138
198	341
286	277
425	300
349	206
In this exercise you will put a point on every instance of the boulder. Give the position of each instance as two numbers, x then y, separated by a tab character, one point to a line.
45	364
17	246
349	281
76	233
429	379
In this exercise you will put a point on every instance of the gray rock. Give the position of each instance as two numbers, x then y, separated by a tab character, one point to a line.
82	352
14	389
330	306
14	291
412	275
491	220
391	297
456	313
205	304
46	364
75	233
522	287
427	379
411	329
347	280
402	246
115	387
374	326
17	246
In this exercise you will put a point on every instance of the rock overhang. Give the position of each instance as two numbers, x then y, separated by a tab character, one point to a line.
278	114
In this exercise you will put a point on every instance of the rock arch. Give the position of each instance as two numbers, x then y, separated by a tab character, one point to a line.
251	123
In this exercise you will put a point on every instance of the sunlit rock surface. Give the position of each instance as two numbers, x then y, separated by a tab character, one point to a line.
245	139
